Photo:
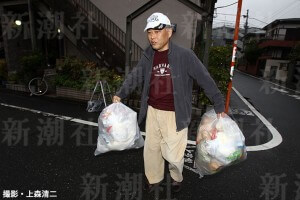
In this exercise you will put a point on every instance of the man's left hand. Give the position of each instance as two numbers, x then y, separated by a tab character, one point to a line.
222	114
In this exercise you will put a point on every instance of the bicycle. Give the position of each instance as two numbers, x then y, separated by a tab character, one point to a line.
38	86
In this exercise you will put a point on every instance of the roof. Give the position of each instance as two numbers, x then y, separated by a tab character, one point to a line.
282	21
261	32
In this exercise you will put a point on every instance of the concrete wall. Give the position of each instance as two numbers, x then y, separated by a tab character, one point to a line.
281	74
178	13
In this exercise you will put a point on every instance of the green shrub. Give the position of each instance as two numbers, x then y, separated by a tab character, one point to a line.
252	52
32	66
12	77
219	68
220	56
221	76
83	75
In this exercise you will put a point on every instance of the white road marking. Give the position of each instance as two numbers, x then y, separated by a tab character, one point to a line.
267	81
80	121
276	140
286	92
51	115
241	112
279	90
62	117
295	96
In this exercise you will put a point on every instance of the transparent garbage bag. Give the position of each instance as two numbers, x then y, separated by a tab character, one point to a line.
118	129
220	143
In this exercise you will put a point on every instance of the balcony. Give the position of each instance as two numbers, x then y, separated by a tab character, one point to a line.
277	43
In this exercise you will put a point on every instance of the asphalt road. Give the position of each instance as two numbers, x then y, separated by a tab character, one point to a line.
66	165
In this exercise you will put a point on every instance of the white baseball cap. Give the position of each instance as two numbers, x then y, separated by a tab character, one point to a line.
157	21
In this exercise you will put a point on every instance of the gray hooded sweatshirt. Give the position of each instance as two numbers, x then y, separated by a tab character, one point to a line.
185	66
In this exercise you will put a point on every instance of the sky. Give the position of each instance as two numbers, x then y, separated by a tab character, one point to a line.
261	12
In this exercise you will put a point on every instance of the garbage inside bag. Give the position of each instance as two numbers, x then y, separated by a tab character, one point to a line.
118	129
220	143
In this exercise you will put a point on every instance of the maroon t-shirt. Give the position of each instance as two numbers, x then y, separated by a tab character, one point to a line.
161	87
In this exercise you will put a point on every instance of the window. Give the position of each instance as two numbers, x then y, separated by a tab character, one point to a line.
283	66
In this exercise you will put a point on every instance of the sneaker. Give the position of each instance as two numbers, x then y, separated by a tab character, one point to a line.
150	187
176	186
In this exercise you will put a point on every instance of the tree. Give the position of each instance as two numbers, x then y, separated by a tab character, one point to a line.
295	54
219	67
220	56
293	80
252	52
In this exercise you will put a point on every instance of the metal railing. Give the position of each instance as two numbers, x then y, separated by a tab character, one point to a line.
89	38
111	30
275	37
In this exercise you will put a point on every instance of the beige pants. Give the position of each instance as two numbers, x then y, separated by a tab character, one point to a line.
163	142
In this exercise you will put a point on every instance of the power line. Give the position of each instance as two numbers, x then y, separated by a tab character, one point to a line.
226	5
232	21
281	10
227	23
277	13
253	25
289	10
248	18
225	14
258	20
217	24
224	20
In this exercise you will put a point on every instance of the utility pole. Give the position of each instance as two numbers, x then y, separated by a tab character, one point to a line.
245	33
208	30
235	39
246	28
246	24
32	26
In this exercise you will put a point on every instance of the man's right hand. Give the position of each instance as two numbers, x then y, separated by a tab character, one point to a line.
116	99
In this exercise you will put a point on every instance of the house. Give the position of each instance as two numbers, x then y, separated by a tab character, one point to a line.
223	36
250	41
282	35
254	36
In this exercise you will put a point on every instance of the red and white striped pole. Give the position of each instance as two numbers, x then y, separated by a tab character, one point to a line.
235	39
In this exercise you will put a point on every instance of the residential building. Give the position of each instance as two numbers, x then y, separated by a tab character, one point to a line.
250	39
254	36
282	35
223	35
89	29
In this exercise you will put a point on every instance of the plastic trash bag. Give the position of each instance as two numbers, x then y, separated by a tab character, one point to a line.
220	143
118	129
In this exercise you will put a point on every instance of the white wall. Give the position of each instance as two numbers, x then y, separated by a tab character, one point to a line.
185	18
280	74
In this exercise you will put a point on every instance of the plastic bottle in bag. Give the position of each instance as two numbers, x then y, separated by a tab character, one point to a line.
220	143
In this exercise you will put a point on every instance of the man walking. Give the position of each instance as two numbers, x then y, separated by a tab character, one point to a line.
166	72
